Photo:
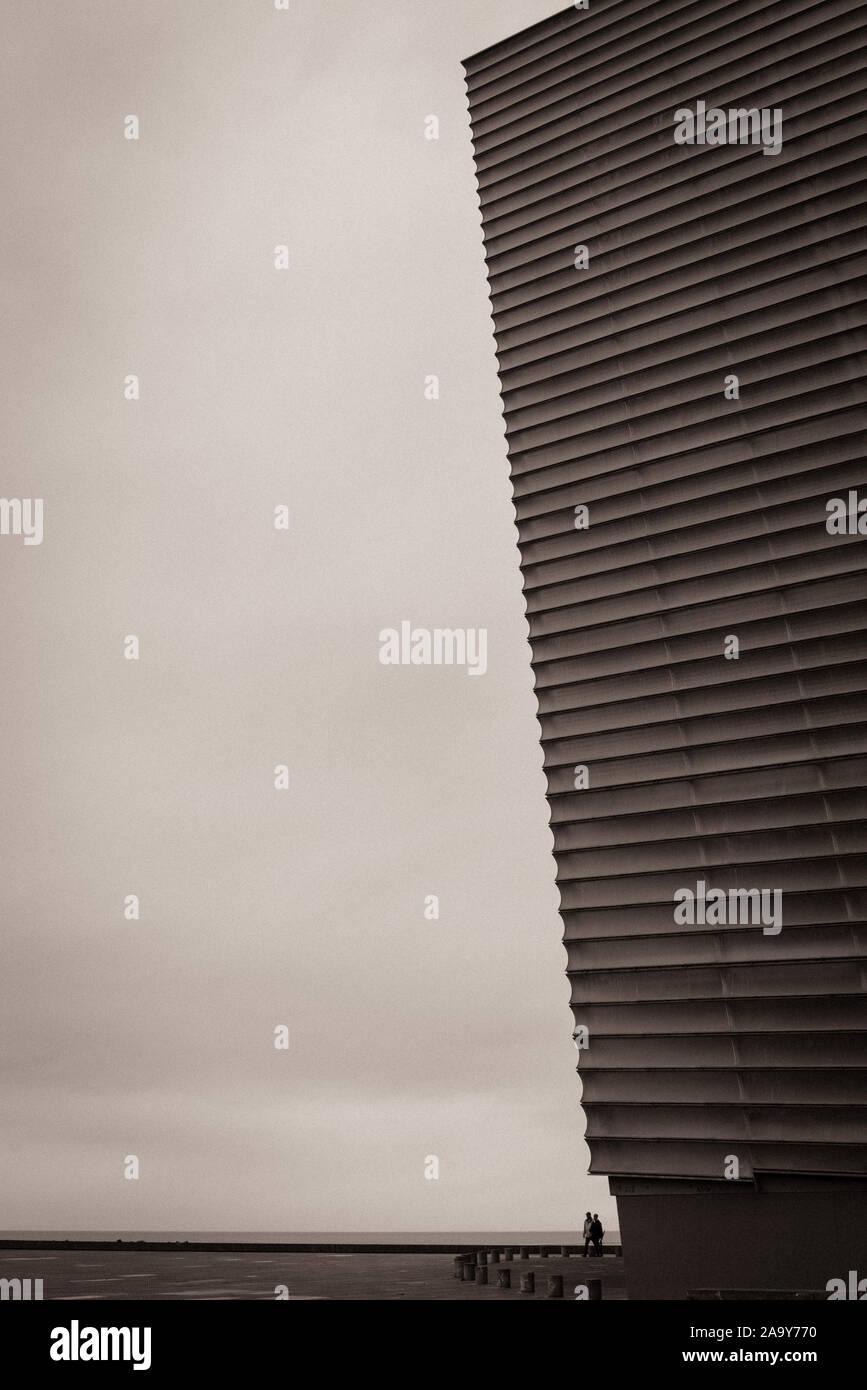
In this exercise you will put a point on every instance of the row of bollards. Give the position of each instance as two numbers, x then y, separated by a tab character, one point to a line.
481	1257
523	1252
473	1268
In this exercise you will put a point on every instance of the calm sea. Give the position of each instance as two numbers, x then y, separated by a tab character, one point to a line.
558	1237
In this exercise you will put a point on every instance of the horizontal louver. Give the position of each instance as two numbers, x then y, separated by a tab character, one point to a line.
706	520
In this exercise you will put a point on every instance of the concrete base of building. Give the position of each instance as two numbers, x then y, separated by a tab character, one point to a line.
780	1234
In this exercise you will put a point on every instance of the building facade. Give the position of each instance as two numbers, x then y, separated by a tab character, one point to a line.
672	209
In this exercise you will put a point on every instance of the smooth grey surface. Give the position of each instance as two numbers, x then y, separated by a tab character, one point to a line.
408	1037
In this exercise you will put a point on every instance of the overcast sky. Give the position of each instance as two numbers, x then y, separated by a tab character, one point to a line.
155	777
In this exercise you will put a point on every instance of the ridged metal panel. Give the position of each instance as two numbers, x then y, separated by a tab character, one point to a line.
707	519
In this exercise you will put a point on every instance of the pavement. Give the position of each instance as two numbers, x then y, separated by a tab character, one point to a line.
127	1274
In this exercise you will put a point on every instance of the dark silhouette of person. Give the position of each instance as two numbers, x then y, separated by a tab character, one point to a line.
596	1234
588	1222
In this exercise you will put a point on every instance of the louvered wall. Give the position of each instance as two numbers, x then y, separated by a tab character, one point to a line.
707	519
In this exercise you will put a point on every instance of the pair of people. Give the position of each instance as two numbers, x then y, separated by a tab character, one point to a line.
593	1233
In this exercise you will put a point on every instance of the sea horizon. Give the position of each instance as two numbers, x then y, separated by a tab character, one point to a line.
559	1236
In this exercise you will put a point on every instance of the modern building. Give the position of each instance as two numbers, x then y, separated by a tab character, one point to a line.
673	215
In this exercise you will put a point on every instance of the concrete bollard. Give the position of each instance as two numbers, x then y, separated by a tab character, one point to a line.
528	1283
555	1285
564	1250
508	1253
543	1252
482	1257
594	1290
459	1262
469	1273
525	1252
481	1274
495	1257
504	1278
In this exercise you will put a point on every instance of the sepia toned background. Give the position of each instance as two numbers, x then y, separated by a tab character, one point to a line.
155	777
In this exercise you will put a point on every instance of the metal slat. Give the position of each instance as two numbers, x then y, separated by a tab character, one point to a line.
707	517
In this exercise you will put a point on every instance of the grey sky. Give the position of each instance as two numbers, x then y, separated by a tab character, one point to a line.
155	777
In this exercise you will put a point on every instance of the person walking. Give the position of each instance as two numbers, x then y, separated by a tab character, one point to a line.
596	1234
588	1222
